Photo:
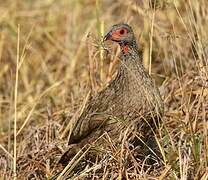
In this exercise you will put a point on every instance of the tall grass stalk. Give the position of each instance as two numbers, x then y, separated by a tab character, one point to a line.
151	38
15	102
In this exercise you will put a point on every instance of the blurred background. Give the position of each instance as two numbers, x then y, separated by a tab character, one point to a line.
57	48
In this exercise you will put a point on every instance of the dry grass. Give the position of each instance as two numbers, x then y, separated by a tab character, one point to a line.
58	44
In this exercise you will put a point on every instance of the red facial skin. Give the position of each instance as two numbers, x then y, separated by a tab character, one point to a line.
116	35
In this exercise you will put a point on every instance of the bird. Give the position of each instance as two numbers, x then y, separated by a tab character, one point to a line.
131	97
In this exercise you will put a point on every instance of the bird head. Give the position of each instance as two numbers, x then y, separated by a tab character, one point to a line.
121	33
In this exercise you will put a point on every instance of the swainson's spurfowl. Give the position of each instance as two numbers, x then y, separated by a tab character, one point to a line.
130	98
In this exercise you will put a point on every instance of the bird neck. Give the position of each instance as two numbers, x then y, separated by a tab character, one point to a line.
128	49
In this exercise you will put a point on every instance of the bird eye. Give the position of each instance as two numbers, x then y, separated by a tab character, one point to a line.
122	31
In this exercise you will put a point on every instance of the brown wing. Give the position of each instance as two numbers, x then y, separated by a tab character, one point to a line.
96	113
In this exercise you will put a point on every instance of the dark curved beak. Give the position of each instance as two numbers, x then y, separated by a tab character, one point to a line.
108	36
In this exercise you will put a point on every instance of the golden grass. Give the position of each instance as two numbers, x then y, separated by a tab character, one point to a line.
51	56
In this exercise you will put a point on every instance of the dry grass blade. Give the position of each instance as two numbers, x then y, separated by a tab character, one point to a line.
151	38
67	170
73	120
35	104
7	153
92	64
15	103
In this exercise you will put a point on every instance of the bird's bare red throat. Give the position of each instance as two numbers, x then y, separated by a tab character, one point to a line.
126	49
